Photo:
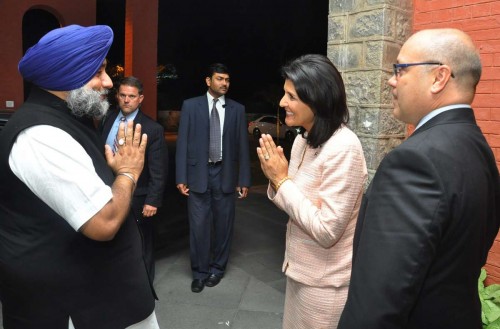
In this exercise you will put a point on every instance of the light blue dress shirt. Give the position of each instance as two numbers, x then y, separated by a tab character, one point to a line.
114	129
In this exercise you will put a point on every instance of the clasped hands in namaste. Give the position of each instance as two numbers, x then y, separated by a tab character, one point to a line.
272	159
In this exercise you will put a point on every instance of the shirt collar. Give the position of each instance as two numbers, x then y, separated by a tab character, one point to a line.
222	99
129	117
440	110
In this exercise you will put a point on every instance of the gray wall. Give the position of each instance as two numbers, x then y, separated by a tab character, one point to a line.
364	38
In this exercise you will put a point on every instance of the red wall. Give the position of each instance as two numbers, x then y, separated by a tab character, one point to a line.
141	39
481	20
67	12
141	42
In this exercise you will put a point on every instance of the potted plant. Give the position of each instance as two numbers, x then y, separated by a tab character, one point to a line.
490	303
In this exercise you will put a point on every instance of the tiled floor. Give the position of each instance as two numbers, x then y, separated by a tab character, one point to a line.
250	296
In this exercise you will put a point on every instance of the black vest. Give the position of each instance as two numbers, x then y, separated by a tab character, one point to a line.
49	272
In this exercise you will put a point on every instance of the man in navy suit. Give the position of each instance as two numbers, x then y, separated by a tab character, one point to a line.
148	195
432	211
211	181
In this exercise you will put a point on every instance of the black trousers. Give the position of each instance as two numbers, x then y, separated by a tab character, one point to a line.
211	218
146	229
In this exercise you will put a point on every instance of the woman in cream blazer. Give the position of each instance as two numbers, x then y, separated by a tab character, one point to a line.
321	190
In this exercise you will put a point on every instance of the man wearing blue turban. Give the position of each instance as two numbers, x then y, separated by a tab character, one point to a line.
70	253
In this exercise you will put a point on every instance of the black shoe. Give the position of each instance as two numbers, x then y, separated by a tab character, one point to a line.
213	280
197	285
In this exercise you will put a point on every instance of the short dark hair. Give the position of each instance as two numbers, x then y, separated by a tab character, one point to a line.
217	68
132	82
319	85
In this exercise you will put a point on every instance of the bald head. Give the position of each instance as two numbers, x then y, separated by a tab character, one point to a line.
436	68
453	48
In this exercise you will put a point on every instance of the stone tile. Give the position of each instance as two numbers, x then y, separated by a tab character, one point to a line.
183	316
257	320
279	285
258	297
175	287
254	267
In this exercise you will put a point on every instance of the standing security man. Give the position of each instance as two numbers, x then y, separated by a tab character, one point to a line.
212	164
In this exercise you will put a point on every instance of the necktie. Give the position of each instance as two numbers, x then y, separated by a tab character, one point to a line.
115	143
214	151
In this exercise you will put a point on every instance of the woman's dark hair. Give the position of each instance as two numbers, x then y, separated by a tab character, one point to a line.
319	85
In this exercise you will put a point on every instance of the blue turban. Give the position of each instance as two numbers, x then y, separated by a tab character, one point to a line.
67	58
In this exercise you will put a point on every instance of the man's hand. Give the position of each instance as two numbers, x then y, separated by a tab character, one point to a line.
129	157
149	211
242	192
183	189
128	160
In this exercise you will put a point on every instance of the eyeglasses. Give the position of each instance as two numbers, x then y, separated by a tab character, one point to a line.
398	67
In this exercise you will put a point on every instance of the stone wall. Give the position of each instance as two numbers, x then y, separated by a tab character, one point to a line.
364	38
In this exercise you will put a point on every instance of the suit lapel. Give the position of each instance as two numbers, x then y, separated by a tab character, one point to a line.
204	115
138	118
228	118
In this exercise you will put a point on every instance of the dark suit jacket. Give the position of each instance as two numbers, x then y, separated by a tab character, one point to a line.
192	146
151	183
424	230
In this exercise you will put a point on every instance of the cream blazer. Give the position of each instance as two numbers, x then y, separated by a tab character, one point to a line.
322	199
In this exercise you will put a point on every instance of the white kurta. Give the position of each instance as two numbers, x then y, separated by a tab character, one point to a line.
57	169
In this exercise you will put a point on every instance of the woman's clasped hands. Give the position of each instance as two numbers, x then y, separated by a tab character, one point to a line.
272	159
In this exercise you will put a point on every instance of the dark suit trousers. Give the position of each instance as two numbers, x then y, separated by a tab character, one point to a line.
146	228
211	217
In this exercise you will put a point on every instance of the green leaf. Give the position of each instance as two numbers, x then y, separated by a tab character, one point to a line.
490	302
483	275
480	281
494	325
491	311
492	291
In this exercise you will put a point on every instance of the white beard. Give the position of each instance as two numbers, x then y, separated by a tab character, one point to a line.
87	102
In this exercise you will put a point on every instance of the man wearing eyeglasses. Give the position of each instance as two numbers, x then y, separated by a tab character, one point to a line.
148	195
432	211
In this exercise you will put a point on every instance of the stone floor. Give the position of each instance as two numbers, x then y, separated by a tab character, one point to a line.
250	296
